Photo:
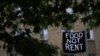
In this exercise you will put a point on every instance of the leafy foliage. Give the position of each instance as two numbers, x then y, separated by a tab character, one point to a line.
91	11
26	46
34	48
39	13
34	15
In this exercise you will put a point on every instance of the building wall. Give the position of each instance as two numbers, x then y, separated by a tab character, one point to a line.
2	51
55	38
97	40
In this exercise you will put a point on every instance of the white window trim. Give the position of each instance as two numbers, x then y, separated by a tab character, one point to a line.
64	29
44	34
91	32
70	30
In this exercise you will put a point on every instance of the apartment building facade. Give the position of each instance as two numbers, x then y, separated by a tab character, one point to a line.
92	41
53	35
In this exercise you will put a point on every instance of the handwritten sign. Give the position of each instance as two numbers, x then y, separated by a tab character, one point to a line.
74	42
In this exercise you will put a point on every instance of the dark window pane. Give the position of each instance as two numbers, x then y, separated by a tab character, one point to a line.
91	54
88	34
68	55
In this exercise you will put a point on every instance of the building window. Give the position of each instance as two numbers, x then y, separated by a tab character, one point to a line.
66	30
71	55
90	34
44	35
91	54
68	55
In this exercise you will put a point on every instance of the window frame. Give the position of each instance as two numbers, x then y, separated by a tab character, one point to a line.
68	55
91	54
90	34
44	35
